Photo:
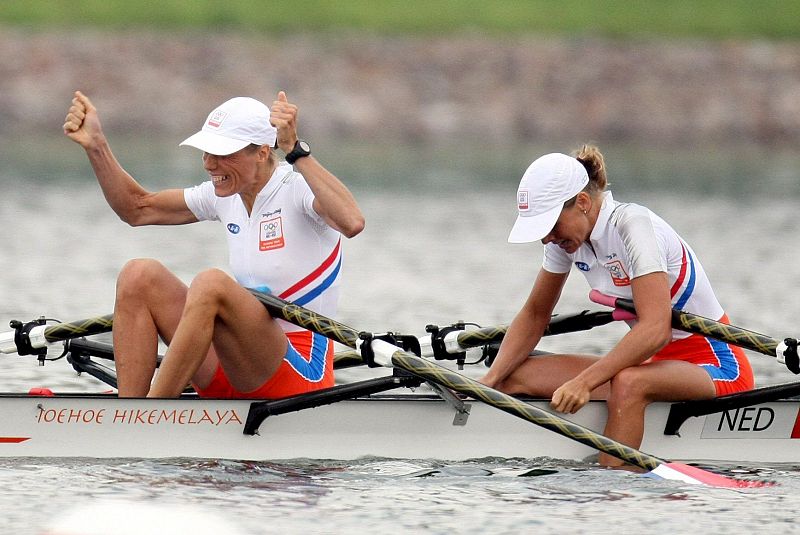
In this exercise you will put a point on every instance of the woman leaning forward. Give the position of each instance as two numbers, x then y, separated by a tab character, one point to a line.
623	250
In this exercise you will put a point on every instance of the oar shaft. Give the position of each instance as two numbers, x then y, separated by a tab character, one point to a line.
458	340
76	329
308	319
475	338
455	381
559	324
433	372
726	333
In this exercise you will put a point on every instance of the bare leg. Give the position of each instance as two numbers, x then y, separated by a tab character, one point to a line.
249	344
540	376
149	300
628	393
634	388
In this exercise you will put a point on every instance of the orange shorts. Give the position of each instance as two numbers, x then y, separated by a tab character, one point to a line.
726	364
307	366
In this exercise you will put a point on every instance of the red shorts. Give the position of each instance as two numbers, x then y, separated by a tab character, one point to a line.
726	364
307	366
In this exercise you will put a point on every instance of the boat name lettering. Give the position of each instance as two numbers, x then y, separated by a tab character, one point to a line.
747	419
174	416
139	416
70	416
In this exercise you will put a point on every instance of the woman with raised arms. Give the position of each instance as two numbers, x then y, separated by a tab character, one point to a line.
284	222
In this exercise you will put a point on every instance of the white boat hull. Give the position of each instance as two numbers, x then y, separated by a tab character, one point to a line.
397	426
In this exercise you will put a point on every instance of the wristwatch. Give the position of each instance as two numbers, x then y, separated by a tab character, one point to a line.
301	150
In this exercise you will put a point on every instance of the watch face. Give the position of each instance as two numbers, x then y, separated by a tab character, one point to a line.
305	146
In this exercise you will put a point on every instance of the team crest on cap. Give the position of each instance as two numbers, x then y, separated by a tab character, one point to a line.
522	199
216	118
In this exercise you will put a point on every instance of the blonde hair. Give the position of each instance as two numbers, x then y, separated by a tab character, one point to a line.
592	159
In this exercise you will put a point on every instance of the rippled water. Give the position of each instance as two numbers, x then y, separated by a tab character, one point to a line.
400	496
434	252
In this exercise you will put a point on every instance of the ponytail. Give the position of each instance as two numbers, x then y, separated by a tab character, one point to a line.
592	159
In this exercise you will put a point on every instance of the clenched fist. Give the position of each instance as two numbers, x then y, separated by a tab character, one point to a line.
82	124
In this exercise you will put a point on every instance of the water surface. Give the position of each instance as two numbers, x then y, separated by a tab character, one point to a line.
434	251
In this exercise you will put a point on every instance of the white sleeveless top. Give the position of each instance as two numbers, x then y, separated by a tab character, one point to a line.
283	246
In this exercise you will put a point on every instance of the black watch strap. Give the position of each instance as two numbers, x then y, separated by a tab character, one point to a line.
301	150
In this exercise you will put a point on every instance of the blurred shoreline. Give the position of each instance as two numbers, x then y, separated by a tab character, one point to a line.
414	90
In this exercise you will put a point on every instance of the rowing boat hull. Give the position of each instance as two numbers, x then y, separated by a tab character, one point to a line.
398	426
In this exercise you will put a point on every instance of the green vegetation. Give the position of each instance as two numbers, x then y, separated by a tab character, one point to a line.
710	19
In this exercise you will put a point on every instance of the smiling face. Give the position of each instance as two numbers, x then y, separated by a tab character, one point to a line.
574	225
241	172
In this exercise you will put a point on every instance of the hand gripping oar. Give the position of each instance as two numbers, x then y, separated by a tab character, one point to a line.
391	356
785	351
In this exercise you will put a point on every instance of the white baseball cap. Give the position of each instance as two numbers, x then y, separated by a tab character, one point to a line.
234	125
547	184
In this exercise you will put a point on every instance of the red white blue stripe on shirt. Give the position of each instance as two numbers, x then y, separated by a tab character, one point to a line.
687	275
301	293
726	367
312	285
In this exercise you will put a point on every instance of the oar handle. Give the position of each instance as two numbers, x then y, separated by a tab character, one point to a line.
600	298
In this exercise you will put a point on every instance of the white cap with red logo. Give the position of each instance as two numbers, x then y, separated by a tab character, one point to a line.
547	184
234	125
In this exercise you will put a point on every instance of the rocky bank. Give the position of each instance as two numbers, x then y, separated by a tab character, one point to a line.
413	89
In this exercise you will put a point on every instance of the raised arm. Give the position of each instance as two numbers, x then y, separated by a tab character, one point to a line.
131	202
333	201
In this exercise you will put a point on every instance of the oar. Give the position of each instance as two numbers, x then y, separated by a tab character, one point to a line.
785	351
27	338
451	341
559	324
391	356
